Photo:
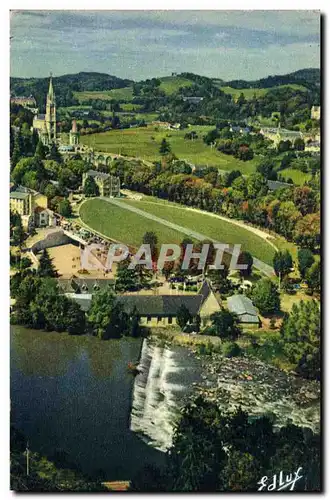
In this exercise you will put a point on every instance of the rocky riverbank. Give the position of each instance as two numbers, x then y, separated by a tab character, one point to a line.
260	389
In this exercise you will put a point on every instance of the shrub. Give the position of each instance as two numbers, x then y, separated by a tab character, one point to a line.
231	349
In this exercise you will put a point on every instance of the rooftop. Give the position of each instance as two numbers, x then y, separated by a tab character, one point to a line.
100	175
17	195
274	185
160	305
242	305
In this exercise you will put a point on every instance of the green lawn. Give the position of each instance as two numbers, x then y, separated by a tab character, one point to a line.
144	143
209	225
123	225
297	176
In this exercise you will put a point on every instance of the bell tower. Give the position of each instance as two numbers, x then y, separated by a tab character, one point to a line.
51	112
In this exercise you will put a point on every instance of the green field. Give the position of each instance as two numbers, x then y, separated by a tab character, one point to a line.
209	225
122	225
171	84
144	143
299	178
128	227
124	94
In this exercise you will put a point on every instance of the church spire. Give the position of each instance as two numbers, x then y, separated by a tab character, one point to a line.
51	90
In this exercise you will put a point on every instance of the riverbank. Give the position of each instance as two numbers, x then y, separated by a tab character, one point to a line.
249	383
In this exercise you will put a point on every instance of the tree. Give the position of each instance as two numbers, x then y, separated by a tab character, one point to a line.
54	153
300	334
282	262
305	260
247	259
211	136
165	147
313	277
244	153
17	231
226	324
150	238
256	186
266	168
135	323
106	316
183	316
307	231
299	144
91	188
64	208
17	151
266	297
40	151
126	279
46	266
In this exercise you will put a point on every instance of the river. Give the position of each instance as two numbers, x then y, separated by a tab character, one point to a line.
76	402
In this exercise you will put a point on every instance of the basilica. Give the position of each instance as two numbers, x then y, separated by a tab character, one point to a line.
46	124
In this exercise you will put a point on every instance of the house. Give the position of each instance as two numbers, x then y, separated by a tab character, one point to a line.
26	102
281	134
26	202
275	185
316	113
245	310
153	310
109	185
44	217
193	100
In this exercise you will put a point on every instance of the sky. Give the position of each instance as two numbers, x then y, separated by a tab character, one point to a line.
144	44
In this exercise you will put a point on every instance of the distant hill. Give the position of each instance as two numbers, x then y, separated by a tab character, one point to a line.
65	85
307	77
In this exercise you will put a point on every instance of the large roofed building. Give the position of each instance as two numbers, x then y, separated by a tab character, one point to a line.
109	185
153	310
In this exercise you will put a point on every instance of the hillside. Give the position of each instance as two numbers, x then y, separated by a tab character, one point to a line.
306	77
65	85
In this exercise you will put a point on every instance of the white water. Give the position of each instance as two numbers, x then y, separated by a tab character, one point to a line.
159	390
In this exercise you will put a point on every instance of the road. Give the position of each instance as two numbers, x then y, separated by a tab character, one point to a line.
261	266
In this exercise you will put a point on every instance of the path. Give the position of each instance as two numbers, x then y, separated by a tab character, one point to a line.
262	266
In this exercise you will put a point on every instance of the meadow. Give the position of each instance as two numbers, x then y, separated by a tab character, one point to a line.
144	142
124	94
122	225
128	227
207	224
299	178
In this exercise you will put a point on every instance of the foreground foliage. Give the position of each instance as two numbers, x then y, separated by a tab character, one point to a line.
213	451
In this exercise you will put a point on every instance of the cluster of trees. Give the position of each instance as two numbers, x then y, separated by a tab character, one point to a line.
48	173
215	451
39	304
266	297
107	319
301	337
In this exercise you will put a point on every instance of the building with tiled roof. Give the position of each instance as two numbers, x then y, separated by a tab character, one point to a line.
153	310
244	308
109	185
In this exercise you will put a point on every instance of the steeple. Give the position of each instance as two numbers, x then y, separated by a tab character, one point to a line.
51	94
51	112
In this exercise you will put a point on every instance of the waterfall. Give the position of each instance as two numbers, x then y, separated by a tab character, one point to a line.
159	391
